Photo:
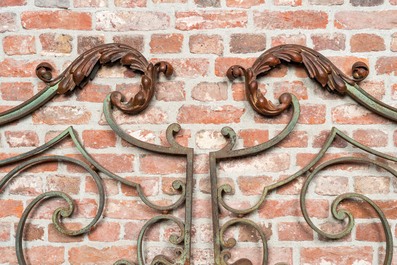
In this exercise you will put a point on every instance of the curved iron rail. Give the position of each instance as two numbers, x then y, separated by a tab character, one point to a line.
85	67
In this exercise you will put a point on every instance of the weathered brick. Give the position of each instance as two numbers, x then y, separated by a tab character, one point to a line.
56	43
149	185
61	115
338	255
208	3
366	43
10	67
90	3
245	3
157	164
210	19
105	232
135	41
204	44
52	3
370	232
247	43
275	208
385	19
354	114
191	114
207	139
288	2
300	19
298	231
393	45
166	43
372	185
85	43
326	41
253	185
19	45
152	115
295	87
8	22
190	67
252	137
128	210
99	139
386	65
130	20
331	185
11	208
295	139
326	2
16	91
93	92
7	3
55	236
5	231
371	137
56	20
206	91
170	91
299	39
222	64
90	255
22	138
130	3
366	2
40	253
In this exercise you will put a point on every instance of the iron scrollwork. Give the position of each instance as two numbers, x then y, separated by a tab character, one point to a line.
84	69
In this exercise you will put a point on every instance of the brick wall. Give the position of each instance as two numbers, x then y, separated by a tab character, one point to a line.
201	39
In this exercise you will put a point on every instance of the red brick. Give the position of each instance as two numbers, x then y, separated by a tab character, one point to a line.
295	87
130	3
166	185
376	89
166	43
298	231
281	208
253	185
67	184
56	20
208	3
110	185
205	184
293	187
130	20
61	115
117	163
301	19
11	208
334	227
206	91
56	43
55	236
90	3
249	234
135	41
16	91
99	139
5	232
222	64
393	2
38	254
105	232
268	162
128	210
201	207
19	45
337	255
22	138
90	255
366	43
157	164
252	137
8	3
209	139
206	44
132	230
169	1
210	19
93	93
354	114
331	185
247	43
299	39
363	210
181	138
386	65
373	232
372	185
33	232
393	45
8	22
312	114
85	43
288	2
295	139
8	255
245	3
371	137
326	41
326	2
149	185
191	114
10	67
385	19
189	67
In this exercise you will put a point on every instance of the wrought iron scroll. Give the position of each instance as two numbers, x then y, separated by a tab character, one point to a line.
84	69
330	77
79	72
